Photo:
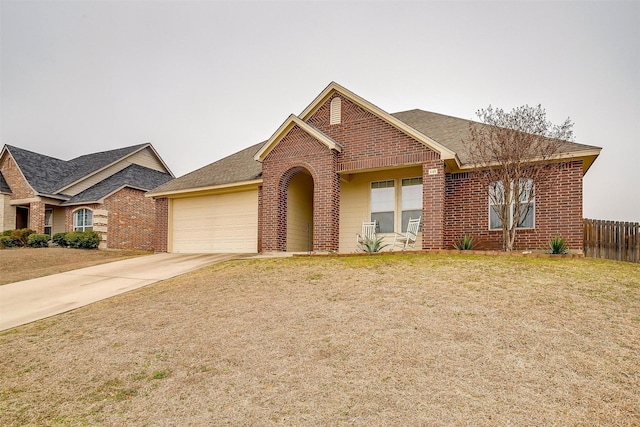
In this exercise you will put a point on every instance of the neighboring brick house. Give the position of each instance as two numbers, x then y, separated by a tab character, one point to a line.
344	161
102	191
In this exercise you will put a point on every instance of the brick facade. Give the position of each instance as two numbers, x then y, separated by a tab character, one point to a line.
297	151
132	220
161	235
558	210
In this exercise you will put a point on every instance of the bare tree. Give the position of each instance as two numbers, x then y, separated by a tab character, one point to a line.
513	152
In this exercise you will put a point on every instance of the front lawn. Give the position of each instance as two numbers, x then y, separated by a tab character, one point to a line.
401	340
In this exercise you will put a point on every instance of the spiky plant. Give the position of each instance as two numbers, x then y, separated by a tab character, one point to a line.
558	246
372	245
465	243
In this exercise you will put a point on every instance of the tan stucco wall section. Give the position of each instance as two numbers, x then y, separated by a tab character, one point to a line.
355	203
300	214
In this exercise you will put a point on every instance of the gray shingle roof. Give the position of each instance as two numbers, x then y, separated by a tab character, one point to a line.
237	167
446	130
47	174
4	187
132	176
43	173
451	131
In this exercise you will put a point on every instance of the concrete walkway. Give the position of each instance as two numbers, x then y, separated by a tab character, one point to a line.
30	300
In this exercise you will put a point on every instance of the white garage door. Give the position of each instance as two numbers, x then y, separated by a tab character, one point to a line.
219	223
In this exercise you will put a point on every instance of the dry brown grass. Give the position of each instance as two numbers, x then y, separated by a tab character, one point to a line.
28	263
401	340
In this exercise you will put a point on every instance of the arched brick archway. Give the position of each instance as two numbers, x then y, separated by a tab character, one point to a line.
278	169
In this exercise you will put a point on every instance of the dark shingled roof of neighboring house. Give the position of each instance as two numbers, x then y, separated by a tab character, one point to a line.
43	173
4	187
47	174
134	176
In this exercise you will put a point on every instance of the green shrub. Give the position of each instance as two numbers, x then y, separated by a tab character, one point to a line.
22	235
558	246
38	240
373	245
465	243
6	233
7	242
83	239
60	239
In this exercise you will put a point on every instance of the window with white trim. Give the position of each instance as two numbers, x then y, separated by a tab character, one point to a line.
385	204
497	199
83	220
411	200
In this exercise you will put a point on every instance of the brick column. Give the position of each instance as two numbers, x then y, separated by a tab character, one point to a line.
433	193
36	217
161	232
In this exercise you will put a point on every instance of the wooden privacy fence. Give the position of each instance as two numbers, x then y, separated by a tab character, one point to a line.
612	240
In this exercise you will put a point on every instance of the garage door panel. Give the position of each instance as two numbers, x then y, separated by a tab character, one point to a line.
217	223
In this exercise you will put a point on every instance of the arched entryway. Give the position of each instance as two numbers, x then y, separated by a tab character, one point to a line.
300	211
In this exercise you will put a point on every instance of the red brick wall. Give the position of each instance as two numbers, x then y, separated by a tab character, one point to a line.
433	204
368	141
558	210
132	219
295	152
161	235
20	189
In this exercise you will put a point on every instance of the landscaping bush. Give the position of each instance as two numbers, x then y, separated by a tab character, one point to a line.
22	235
38	240
83	239
465	243
60	239
7	242
558	246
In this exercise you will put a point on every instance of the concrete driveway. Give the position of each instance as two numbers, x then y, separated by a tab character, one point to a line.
35	299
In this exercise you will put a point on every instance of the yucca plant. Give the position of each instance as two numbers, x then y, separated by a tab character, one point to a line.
558	246
465	243
372	245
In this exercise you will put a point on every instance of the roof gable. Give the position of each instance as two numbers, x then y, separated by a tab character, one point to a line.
284	129
134	176
51	176
445	152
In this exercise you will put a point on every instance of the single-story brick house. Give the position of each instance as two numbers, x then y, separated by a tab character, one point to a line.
104	192
344	161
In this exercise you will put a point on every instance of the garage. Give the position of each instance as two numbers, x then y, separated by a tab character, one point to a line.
226	223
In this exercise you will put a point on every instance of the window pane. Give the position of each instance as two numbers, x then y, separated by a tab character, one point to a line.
411	194
526	187
382	199
384	221
407	215
526	216
496	192
494	219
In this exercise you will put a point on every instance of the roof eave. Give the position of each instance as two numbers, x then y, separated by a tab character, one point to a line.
210	188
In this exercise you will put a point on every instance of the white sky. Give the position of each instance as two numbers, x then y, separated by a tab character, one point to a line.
202	80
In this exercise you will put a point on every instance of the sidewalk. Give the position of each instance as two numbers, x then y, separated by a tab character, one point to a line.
35	299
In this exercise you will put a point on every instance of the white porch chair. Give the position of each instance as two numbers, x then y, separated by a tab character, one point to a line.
408	238
368	233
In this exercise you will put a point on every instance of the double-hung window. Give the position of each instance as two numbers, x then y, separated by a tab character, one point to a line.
411	202
385	203
83	220
497	200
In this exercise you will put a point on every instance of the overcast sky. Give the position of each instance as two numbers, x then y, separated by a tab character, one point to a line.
202	80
